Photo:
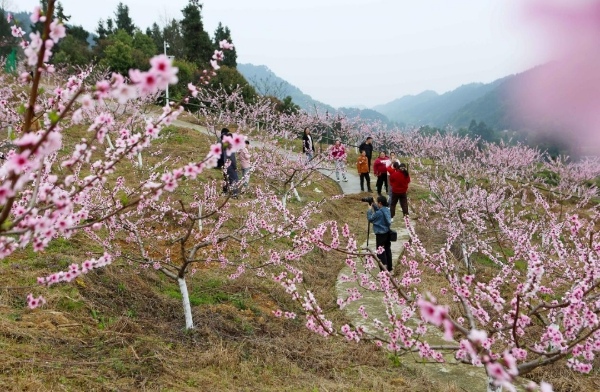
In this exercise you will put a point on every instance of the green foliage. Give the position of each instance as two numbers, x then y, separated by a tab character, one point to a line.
118	57
72	52
198	47
144	44
78	33
288	106
6	35
186	74
223	33
123	20
157	36
172	35
230	79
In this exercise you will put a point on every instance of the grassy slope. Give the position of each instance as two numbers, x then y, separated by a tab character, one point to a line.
119	329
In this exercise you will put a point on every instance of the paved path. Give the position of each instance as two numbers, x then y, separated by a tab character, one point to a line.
462	377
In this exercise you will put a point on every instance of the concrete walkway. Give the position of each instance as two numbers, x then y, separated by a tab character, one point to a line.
445	375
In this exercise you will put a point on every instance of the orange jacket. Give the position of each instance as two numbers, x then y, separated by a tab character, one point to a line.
362	165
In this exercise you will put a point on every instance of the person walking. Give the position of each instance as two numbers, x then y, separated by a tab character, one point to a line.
228	161
338	154
367	147
245	156
399	180
362	166
308	147
380	171
379	215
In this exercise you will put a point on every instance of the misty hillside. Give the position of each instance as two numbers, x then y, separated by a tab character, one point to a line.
430	108
266	82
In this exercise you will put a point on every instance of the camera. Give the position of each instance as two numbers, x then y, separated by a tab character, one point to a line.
368	199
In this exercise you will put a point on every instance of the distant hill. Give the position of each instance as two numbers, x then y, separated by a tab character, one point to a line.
431	108
266	82
365	114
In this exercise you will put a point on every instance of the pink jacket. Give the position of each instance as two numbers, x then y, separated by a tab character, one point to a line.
338	152
244	158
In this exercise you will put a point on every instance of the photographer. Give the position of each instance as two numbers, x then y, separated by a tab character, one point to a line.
379	215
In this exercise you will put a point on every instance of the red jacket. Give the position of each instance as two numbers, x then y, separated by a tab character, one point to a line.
398	180
379	166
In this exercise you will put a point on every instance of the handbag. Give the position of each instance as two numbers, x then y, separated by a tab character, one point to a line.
393	235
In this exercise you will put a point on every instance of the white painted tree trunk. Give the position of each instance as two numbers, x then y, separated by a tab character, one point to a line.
491	387
140	159
109	142
466	257
293	188
187	308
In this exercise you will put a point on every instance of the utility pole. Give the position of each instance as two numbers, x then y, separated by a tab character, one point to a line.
165	47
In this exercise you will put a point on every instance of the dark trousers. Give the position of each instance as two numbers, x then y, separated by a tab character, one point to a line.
383	240
403	203
232	182
364	176
381	181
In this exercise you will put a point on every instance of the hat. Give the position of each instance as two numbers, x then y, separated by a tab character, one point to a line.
224	131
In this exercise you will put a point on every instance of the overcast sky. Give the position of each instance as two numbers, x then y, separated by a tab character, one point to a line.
353	52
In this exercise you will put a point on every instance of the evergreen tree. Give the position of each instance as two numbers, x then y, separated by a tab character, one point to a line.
197	43
5	35
78	32
172	35
157	36
110	27
223	33
60	13
101	31
123	20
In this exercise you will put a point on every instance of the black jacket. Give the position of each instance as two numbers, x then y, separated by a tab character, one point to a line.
305	144
367	148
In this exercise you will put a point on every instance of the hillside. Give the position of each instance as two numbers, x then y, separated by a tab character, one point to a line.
266	82
431	108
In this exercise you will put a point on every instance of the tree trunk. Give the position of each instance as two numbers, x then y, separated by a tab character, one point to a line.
187	308
293	188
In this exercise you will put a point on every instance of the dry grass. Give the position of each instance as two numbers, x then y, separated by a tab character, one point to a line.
120	330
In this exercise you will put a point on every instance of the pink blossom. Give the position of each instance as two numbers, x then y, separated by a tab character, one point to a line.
36	14
57	31
35	302
214	64
478	336
225	45
16	31
431	313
